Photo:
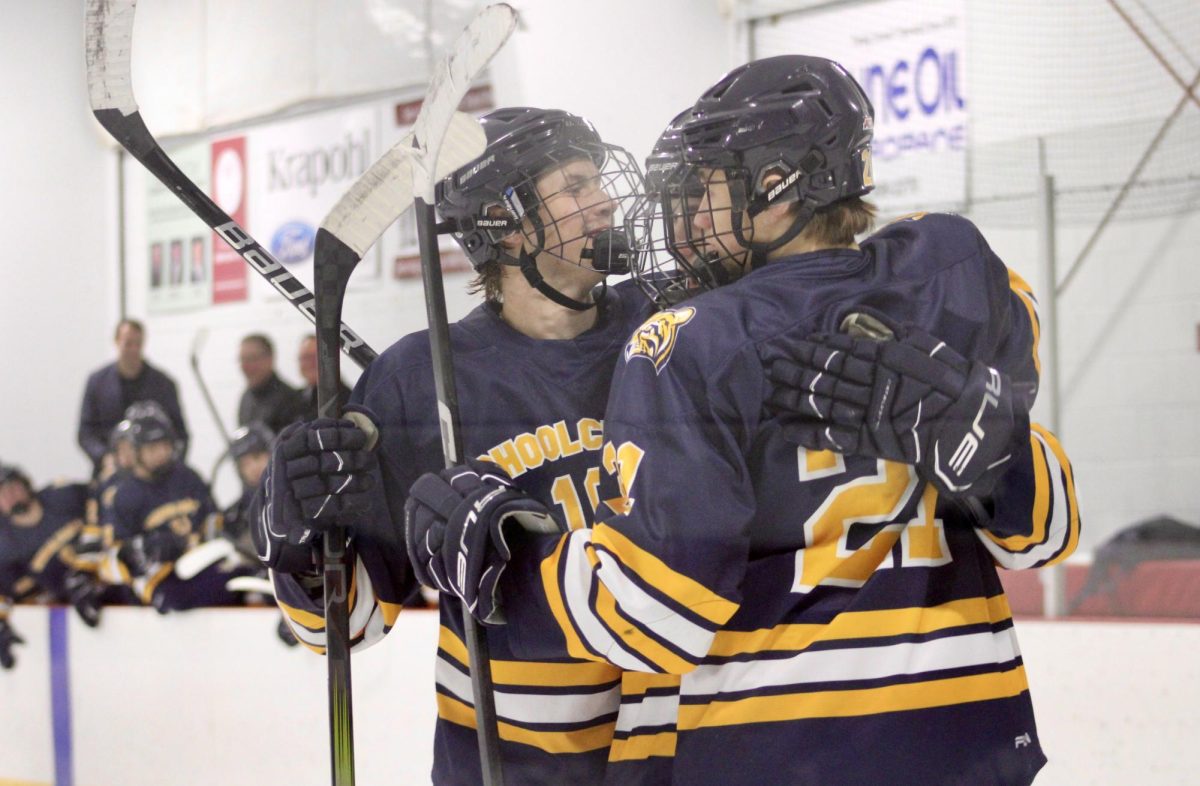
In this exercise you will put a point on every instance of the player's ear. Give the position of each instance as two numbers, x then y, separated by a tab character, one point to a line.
512	241
778	213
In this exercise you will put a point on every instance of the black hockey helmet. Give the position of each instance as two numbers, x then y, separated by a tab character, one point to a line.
12	473
252	438
804	119
494	195
120	433
147	429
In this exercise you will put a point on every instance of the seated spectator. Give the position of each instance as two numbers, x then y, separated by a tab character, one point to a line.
308	372
113	388
267	398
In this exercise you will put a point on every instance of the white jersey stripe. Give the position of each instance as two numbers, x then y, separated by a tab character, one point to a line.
850	664
533	708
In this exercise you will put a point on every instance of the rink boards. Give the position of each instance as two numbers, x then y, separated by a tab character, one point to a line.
213	697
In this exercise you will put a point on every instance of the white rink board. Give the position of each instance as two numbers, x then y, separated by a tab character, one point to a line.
212	698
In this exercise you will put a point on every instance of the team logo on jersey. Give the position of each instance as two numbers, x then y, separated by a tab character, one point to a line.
655	339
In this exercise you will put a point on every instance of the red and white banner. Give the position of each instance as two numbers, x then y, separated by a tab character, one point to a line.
228	161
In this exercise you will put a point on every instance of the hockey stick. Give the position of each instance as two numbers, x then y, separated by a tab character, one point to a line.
198	344
358	219
110	89
487	32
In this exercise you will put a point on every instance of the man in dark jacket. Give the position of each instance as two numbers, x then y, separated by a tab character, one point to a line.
267	398
111	389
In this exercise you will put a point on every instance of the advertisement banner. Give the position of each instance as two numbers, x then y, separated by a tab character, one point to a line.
399	244
296	172
910	57
229	271
176	252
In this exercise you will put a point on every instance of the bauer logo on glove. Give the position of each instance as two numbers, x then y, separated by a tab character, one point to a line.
896	393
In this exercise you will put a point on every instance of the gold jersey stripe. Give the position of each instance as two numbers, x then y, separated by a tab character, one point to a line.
1069	473
534	673
558	606
147	592
52	546
1025	293
171	510
852	703
315	623
643	746
684	591
591	738
863	625
390	612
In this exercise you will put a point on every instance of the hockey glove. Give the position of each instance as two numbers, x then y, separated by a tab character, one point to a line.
84	593
905	397
455	524
8	637
319	476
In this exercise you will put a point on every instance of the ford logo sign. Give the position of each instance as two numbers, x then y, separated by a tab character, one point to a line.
293	242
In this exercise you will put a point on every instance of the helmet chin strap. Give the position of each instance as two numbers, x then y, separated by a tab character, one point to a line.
528	265
759	251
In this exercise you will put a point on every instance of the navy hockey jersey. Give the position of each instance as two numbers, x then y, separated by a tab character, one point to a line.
824	621
178	502
535	407
36	546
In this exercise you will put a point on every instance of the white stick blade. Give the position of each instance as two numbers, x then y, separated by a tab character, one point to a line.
452	78
375	200
385	191
109	44
194	561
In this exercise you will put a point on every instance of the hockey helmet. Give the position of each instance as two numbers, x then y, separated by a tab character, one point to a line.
497	194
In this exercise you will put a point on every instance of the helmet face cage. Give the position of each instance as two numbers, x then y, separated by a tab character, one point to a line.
565	206
678	249
546	174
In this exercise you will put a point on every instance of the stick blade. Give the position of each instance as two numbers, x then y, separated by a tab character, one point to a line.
385	190
109	33
452	78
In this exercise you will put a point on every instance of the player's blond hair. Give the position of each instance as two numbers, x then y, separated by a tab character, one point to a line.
840	223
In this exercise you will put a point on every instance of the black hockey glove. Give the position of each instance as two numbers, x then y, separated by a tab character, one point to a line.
8	637
455	525
84	592
319	476
907	398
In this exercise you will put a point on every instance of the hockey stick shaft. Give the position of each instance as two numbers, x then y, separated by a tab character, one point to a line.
370	205
475	47
197	344
109	41
334	262
482	687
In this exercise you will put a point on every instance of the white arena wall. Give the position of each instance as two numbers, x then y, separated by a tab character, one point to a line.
212	698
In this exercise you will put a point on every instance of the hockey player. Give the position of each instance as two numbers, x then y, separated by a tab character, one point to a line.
831	624
251	450
158	511
37	560
536	214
